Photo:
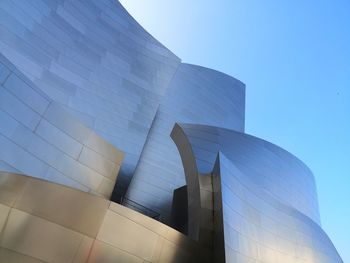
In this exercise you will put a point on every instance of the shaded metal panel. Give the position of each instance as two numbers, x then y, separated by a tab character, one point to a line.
179	210
192	181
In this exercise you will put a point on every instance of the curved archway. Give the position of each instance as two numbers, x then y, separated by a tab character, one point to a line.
192	180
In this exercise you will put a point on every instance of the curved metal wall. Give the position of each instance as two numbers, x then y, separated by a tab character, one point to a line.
91	60
258	224
269	166
71	226
96	61
196	94
39	138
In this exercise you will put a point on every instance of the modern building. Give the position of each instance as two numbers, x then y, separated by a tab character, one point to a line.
113	150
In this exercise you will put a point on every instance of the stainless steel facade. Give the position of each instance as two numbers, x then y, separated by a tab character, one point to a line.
72	226
265	205
195	95
40	138
271	168
88	99
93	59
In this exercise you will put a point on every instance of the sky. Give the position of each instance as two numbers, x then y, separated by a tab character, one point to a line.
294	57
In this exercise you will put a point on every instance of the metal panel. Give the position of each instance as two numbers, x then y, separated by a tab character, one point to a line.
198	95
258	221
130	237
83	213
50	223
272	168
10	256
31	235
95	59
39	138
83	70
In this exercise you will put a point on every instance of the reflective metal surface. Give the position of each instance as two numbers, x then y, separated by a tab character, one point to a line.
269	166
39	138
96	61
264	197
82	83
198	95
45	222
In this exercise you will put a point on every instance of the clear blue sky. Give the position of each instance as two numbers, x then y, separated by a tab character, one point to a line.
294	57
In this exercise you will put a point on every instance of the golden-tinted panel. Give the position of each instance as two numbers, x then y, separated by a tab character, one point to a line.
9	256
125	234
141	219
39	238
104	253
68	207
4	211
11	186
84	250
